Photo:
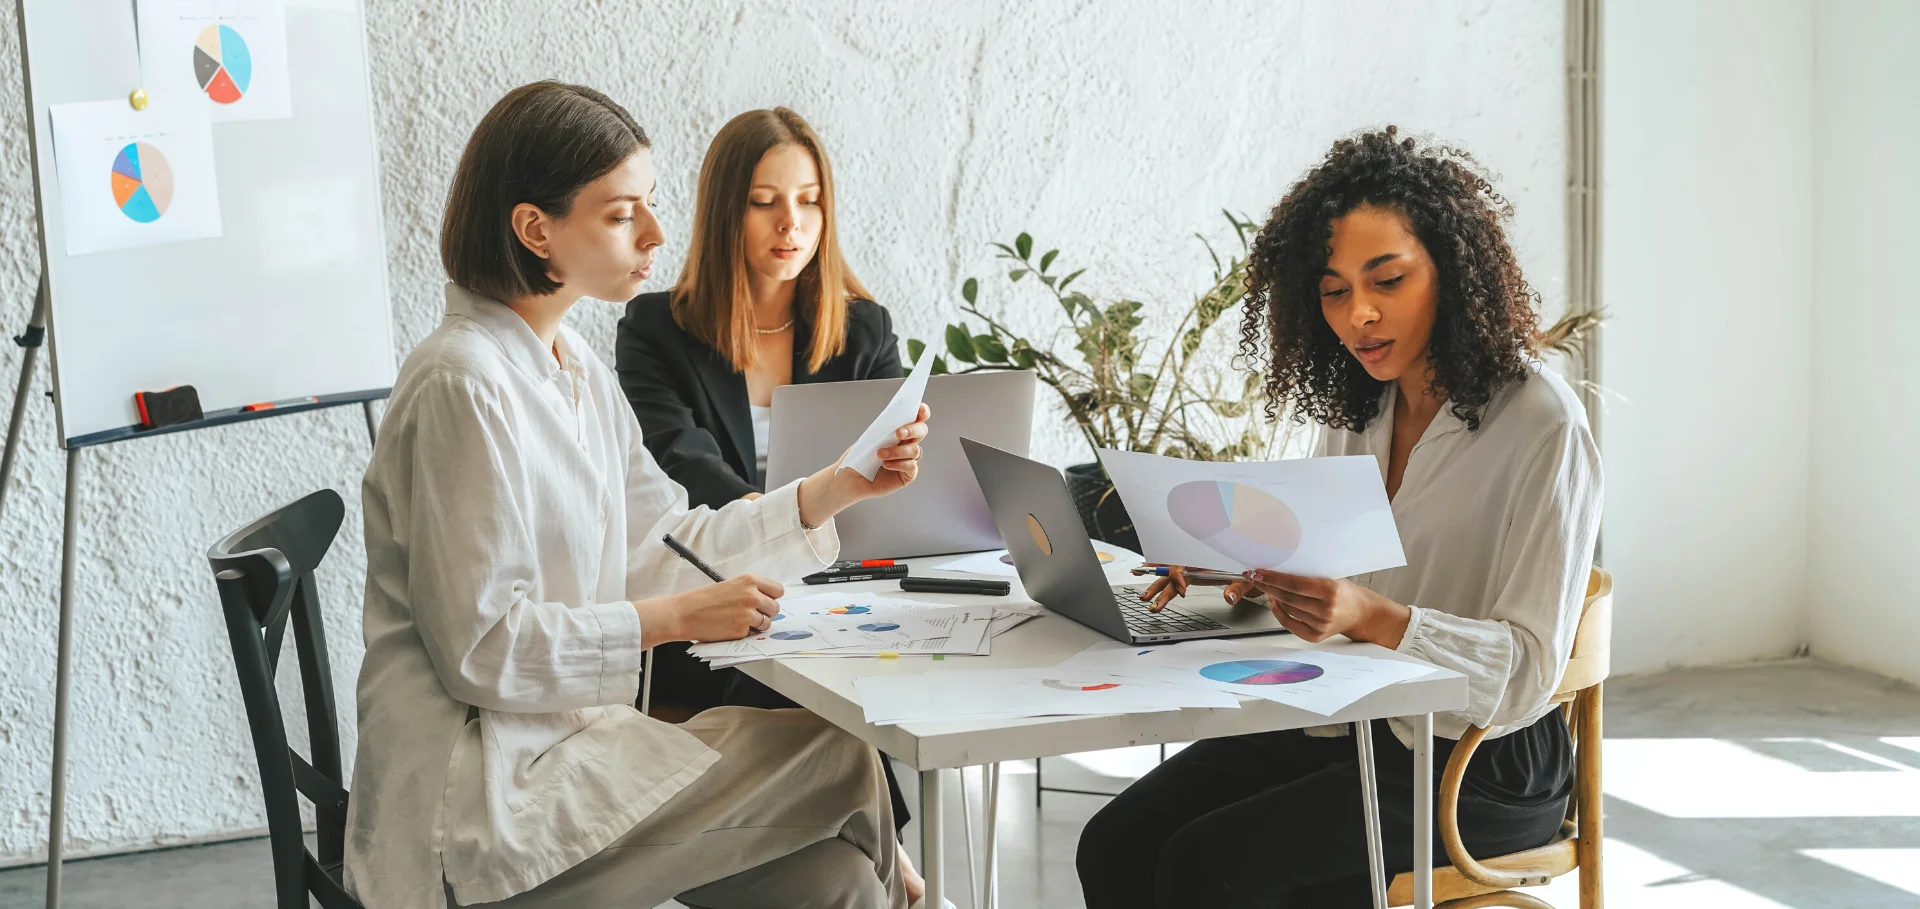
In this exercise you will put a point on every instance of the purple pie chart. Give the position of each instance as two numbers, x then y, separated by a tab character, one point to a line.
1241	522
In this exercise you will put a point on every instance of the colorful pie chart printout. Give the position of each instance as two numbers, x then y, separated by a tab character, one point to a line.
230	56
1261	672
879	626
130	178
221	64
1239	521
1324	517
849	610
791	635
142	182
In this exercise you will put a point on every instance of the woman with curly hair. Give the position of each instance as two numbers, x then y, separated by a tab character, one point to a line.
1390	310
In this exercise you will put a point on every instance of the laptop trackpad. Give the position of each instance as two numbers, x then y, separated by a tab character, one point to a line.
1250	612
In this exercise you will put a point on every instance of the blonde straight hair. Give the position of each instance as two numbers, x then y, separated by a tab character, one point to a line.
710	300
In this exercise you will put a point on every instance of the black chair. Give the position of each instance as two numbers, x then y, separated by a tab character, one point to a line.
265	574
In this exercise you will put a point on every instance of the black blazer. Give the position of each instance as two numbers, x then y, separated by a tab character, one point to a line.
692	405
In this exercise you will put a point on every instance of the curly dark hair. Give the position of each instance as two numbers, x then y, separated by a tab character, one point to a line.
1484	322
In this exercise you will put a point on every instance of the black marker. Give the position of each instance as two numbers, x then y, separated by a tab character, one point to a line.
956	585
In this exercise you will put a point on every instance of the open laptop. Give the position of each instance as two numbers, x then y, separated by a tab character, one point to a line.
941	511
1036	517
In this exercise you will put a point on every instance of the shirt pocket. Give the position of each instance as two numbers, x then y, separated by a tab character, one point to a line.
531	753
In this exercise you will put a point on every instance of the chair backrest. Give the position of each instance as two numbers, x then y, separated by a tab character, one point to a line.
1592	640
265	574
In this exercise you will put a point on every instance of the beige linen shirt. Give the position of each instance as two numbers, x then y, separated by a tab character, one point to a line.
512	514
1498	525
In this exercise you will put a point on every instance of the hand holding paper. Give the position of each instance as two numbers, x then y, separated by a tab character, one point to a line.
863	458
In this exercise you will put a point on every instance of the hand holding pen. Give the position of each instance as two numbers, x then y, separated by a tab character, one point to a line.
724	611
1172	581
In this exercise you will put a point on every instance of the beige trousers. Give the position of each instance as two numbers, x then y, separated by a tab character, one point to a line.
794	815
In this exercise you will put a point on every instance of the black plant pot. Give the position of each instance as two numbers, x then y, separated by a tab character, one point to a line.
1101	510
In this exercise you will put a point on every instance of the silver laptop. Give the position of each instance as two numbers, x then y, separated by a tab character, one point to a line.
1057	564
940	512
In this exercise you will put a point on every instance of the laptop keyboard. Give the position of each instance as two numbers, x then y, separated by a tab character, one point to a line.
1172	620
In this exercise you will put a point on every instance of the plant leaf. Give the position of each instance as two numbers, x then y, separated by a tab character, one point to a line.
914	347
1017	274
1024	245
1140	384
970	290
1023	358
989	349
939	367
1047	259
1069	279
959	343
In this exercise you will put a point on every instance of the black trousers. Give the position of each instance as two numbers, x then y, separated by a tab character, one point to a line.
1276	820
681	679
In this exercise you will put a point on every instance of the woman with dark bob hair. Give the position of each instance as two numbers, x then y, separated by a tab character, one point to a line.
1390	310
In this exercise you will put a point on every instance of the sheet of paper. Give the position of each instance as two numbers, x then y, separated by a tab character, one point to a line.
1007	693
960	630
996	563
1312	680
134	178
229	56
862	458
1319	517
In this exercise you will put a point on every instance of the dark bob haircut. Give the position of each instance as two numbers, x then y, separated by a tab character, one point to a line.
539	145
1484	326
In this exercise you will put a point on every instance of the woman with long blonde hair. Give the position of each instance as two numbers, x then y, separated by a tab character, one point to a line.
765	299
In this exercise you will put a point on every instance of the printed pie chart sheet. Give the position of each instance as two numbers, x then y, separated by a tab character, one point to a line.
1012	693
1312	680
1318	517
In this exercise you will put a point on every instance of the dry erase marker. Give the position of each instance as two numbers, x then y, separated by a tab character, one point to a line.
838	575
956	585
682	551
267	405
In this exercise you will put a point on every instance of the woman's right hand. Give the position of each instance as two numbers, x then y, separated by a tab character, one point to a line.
1163	590
726	611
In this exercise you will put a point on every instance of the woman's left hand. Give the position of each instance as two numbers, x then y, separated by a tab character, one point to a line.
1315	609
830	491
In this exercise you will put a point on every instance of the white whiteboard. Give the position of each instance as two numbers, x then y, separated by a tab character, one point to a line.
291	302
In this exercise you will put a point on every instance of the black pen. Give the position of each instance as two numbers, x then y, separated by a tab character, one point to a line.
682	551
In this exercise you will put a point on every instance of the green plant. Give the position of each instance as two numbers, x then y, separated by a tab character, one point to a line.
1125	390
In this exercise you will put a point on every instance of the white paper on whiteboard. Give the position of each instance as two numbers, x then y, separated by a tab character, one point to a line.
1318	517
229	56
864	458
134	178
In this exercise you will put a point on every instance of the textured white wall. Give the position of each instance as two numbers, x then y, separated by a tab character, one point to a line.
1708	273
1864	582
1112	131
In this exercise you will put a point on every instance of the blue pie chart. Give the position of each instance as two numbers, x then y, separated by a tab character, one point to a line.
791	635
1261	672
880	626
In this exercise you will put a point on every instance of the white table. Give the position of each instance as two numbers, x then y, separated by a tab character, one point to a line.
825	686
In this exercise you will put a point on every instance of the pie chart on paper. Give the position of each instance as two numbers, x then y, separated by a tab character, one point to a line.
1241	522
142	182
1261	672
1062	685
222	64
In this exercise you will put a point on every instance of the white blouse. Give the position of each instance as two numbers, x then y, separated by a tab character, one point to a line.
512	515
1498	525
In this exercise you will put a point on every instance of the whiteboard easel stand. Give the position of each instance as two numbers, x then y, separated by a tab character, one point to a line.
32	341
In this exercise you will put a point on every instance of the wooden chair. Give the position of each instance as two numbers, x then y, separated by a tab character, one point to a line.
1469	883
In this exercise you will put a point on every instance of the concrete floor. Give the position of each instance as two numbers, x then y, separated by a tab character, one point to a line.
1779	785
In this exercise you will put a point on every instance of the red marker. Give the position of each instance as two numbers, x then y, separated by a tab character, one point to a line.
876	563
268	405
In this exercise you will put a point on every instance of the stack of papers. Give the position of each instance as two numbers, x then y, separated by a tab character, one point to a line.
1013	693
856	625
1316	681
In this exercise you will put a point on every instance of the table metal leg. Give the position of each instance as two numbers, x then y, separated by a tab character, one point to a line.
992	787
1370	803
1423	811
931	792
